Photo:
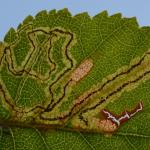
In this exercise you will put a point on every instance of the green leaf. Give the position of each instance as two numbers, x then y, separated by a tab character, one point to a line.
66	82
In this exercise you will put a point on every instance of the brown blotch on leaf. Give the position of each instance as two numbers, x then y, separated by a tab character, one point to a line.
82	70
107	125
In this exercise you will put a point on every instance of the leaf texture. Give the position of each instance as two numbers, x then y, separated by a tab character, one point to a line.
58	72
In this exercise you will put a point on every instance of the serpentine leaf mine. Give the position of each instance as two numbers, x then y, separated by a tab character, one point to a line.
59	71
